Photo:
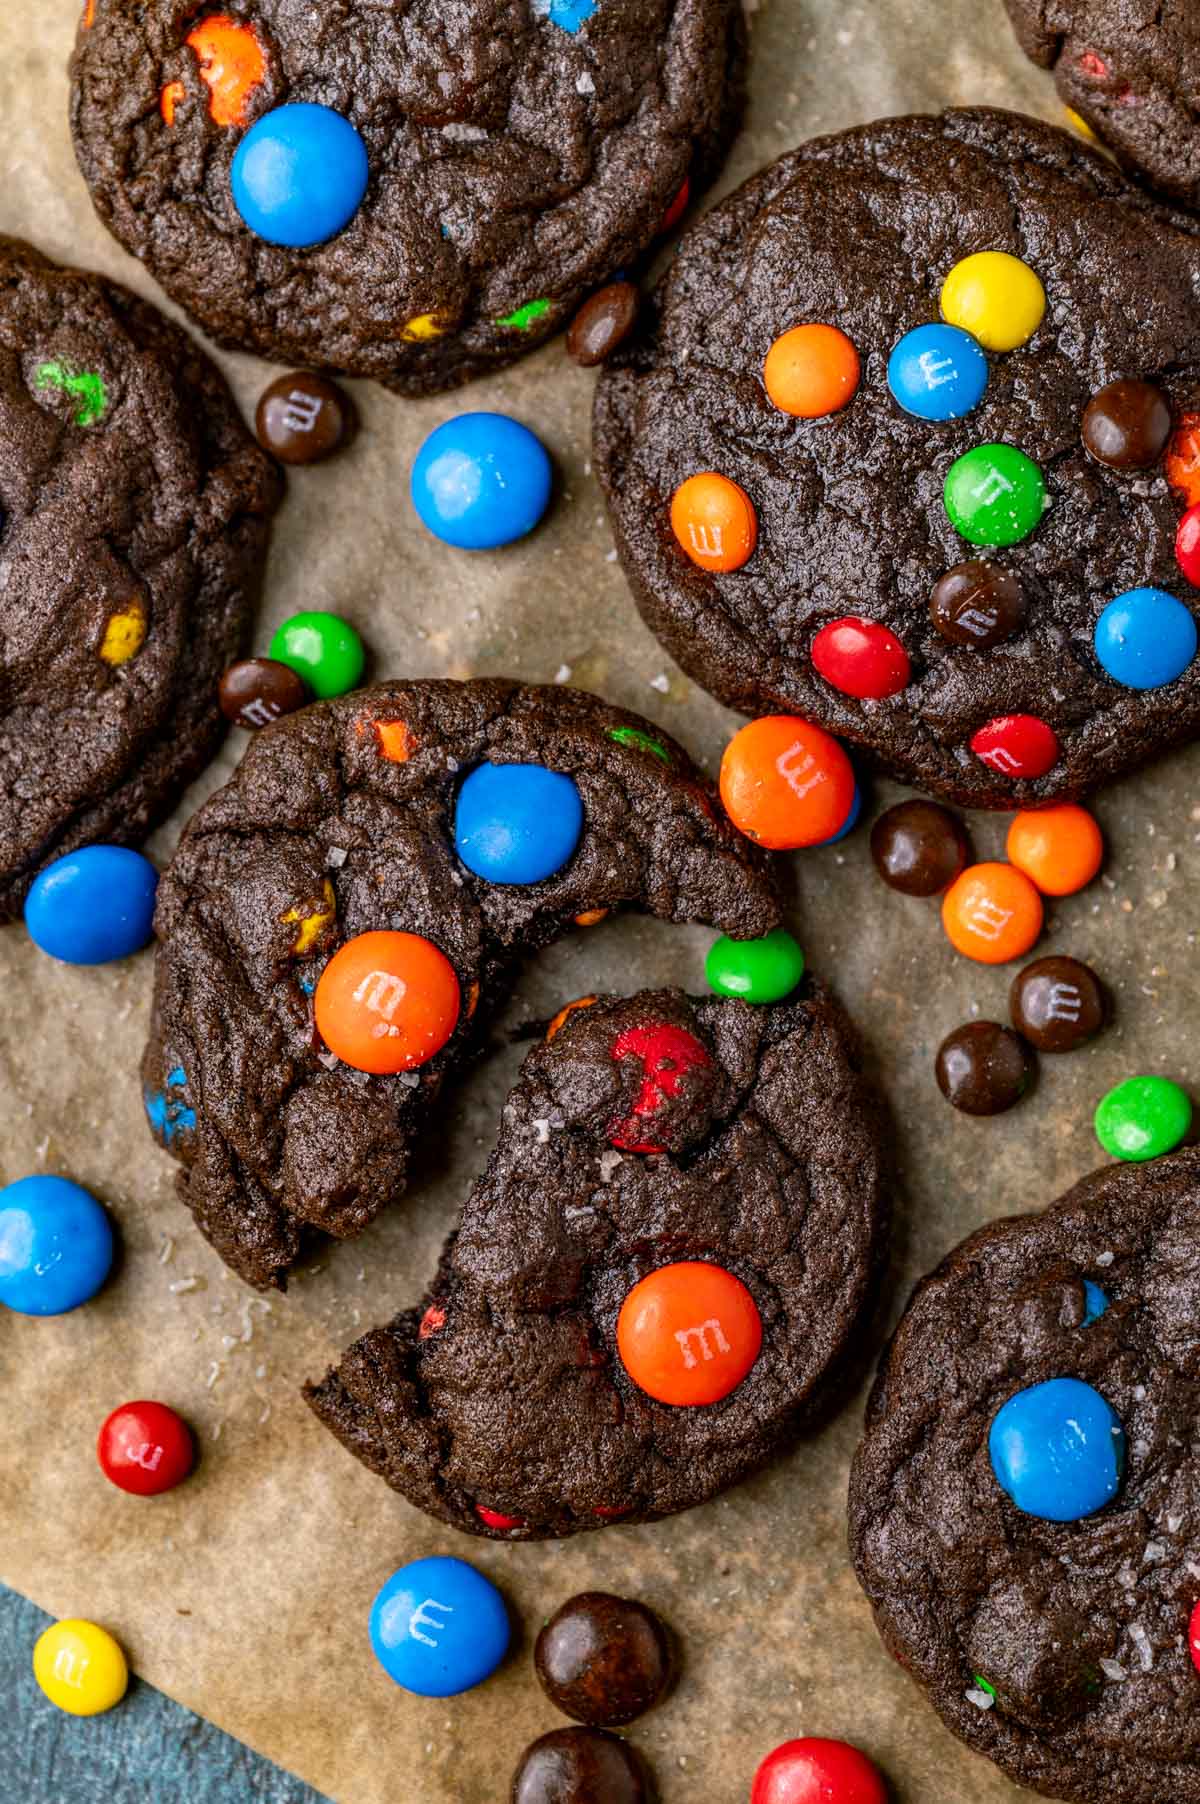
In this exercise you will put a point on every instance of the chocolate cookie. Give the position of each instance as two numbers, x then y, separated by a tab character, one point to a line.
487	166
1131	70
653	1283
366	880
1023	1507
806	549
134	513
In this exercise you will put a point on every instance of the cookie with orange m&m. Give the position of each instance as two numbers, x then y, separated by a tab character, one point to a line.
650	1289
344	256
134	511
911	418
369	912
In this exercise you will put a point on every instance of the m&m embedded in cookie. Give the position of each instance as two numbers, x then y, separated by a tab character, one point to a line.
1145	638
517	823
714	521
299	175
995	297
938	372
689	1333
812	370
387	1002
1058	1450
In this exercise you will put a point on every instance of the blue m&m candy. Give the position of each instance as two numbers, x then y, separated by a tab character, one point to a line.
299	175
848	825
93	906
517	823
938	372
1145	638
481	480
1095	1302
56	1246
1058	1449
438	1627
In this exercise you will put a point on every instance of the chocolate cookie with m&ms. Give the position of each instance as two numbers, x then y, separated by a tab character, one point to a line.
134	515
1023	1511
341	922
908	445
655	1284
1129	70
418	192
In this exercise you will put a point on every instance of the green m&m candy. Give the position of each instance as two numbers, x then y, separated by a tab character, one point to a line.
322	648
764	970
995	495
1143	1118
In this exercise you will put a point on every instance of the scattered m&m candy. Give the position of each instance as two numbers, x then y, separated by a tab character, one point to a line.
1057	1003
517	823
762	970
918	848
439	1627
1060	849
80	1667
992	913
1145	638
481	480
938	372
786	783
603	324
714	522
995	297
93	906
811	371
1020	746
255	691
56	1246
983	1068
862	658
299	175
322	648
994	495
689	1333
304	418
145	1448
603	1660
1143	1118
387	1002
581	1766
1058	1450
816	1770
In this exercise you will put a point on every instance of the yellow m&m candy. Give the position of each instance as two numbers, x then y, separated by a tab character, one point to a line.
80	1667
996	298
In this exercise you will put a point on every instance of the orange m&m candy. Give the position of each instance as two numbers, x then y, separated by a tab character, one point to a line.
1181	462
810	371
387	1002
232	65
1060	849
563	1013
786	783
992	913
714	521
689	1333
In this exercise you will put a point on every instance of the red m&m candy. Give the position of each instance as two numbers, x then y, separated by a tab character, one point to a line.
145	1448
494	1519
666	1054
1187	545
786	783
1194	1637
1017	745
861	658
814	1770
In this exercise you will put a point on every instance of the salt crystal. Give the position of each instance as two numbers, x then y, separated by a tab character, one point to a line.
336	857
542	1130
1155	1551
1105	1258
1141	1641
1139	1393
166	1250
585	84
982	1700
1174	1524
409	1080
608	1164
662	683
181	1285
563	674
463	134
1112	1669
214	1372
328	1059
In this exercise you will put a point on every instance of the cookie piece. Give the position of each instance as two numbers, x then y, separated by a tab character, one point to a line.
134	515
518	153
1131	70
1057	1648
341	821
513	1401
858	232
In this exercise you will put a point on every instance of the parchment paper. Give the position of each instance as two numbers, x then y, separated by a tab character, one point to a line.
245	1593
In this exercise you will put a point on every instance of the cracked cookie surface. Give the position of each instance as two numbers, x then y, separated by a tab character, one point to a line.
859	231
134	514
1078	1629
339	822
520	152
502	1405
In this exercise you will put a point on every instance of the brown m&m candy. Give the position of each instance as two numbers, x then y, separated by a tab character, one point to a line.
303	418
919	848
603	323
1057	1003
1126	424
603	1659
983	1068
581	1766
256	691
978	604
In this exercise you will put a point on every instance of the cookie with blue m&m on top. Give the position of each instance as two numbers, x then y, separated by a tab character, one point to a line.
134	515
418	192
908	445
